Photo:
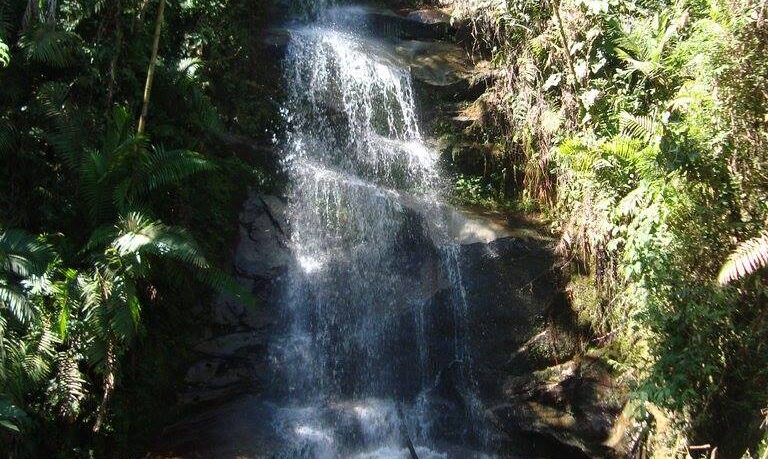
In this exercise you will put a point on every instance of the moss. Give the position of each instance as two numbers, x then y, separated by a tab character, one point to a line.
585	300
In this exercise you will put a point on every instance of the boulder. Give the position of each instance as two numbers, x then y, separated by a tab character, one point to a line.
212	379
435	63
263	249
261	257
233	357
576	403
233	344
431	17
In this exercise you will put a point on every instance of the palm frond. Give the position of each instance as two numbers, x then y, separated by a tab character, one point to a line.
29	357
94	184
8	136
68	125
16	301
647	68
119	131
50	46
222	282
21	254
66	295
202	111
630	204
134	232
124	309
748	257
101	237
137	233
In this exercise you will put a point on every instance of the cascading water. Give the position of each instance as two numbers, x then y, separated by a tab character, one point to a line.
357	372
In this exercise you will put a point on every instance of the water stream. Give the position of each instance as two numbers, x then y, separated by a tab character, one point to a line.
368	358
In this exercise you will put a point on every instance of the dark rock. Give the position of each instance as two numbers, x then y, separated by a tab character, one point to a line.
435	63
275	41
576	403
204	371
237	428
233	358
263	249
262	255
232	344
387	24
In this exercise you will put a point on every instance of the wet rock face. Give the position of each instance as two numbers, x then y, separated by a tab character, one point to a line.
576	402
510	287
233	359
514	297
519	333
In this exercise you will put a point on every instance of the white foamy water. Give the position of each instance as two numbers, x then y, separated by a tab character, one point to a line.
355	370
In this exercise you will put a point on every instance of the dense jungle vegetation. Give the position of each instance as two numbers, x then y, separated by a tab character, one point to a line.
638	128
116	208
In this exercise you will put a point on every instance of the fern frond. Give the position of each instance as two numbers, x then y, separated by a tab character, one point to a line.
748	257
623	147
577	155
643	128
164	167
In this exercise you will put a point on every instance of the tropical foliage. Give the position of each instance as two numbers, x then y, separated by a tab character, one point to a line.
641	128
91	270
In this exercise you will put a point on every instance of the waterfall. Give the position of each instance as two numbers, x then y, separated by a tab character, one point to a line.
356	367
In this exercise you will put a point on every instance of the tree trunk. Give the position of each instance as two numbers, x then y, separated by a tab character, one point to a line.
31	14
50	15
109	386
151	70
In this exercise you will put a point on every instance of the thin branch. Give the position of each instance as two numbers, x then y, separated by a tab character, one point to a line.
151	70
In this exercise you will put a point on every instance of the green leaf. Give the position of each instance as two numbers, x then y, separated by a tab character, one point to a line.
5	54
